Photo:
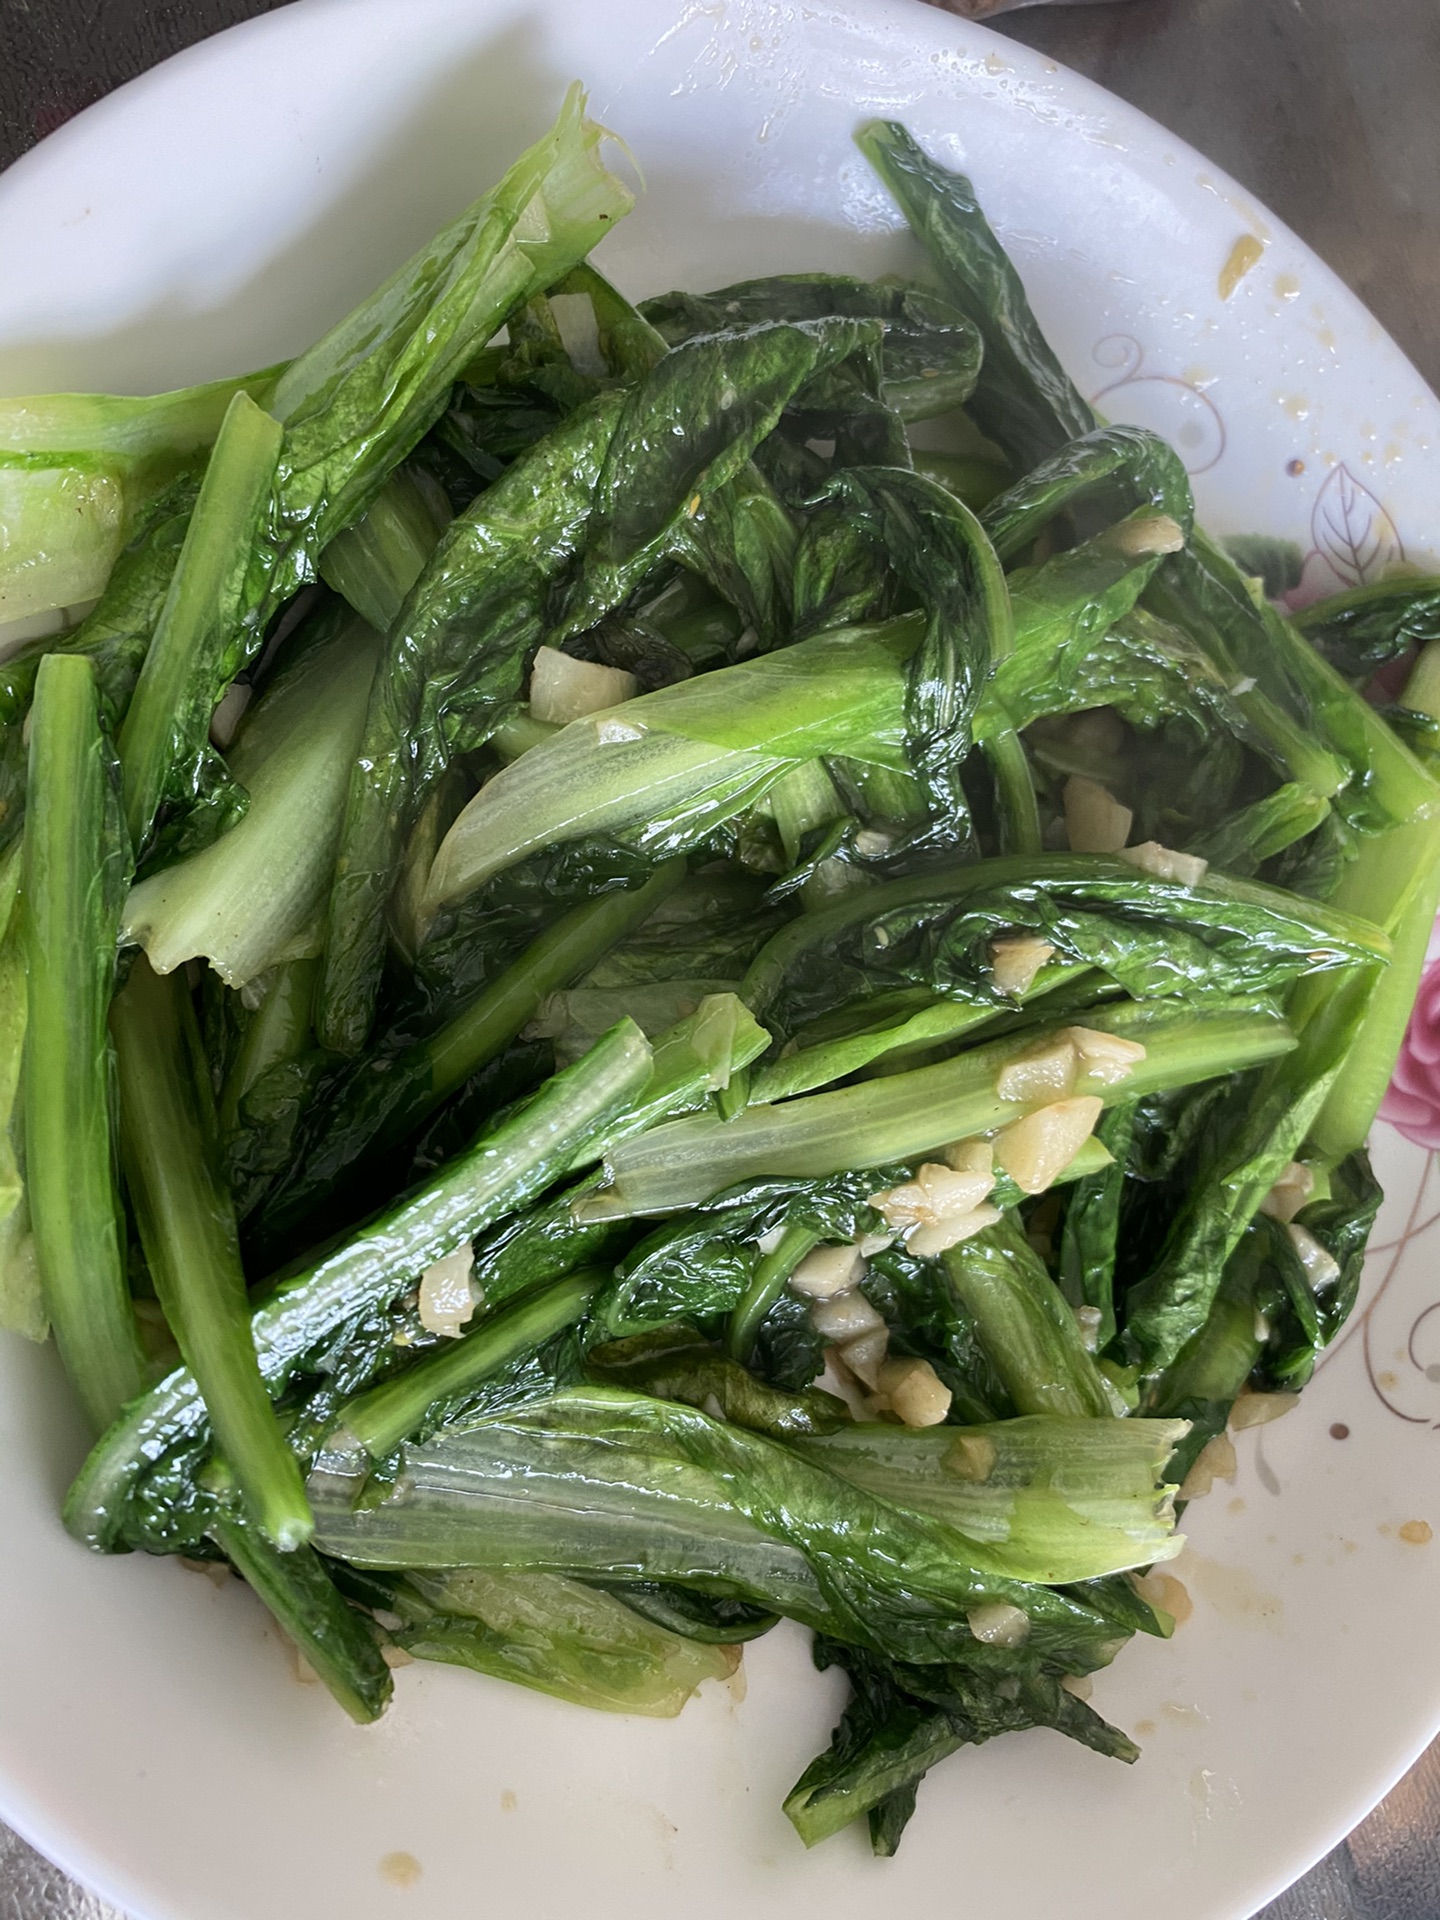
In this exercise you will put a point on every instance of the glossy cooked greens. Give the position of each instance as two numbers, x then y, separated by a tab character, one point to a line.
810	1097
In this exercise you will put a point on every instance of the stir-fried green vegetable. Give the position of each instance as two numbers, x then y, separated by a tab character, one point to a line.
628	1008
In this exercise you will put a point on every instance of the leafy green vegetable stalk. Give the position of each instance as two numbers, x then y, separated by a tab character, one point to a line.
387	1096
1396	881
878	1122
1170	1305
187	1228
21	1307
669	1493
376	562
379	1420
774	1269
168	718
78	470
1023	1322
491	575
335	1642
1048	1493
505	1166
670	766
74	876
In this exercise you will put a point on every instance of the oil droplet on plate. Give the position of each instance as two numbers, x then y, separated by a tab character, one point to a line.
1246	251
1418	1533
509	1801
400	1869
1236	1595
1287	287
1184	1715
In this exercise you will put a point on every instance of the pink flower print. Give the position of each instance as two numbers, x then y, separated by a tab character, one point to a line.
1412	1104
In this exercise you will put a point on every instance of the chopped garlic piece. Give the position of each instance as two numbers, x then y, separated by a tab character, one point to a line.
843	1317
915	1391
999	1624
926	1242
828	1271
1080	1684
770	1239
1322	1269
970	1156
1259	1409
865	1354
1095	821
1045	1073
869	1243
1289	1193
1105	1057
1088	1320
1215	1461
871	843
1144	533
936	1194
1163	863
950	1191
972	1458
1014	963
447	1293
1035	1151
563	688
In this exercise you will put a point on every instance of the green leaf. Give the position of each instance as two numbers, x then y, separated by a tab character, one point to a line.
1111	471
599	1481
491	574
1363	629
930	354
558	1636
1024	400
687	431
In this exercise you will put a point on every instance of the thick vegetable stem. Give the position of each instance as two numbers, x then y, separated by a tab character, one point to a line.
178	682
187	1228
74	876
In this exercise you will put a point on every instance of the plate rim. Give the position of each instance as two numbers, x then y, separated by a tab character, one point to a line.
63	1841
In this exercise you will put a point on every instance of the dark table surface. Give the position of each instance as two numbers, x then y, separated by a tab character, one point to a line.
1325	109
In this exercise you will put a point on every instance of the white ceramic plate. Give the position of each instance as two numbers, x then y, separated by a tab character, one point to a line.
153	1738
